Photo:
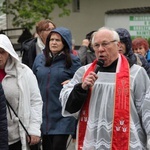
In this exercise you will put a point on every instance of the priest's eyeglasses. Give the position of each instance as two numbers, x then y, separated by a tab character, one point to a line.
104	44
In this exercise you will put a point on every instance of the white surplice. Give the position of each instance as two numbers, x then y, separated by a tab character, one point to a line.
99	126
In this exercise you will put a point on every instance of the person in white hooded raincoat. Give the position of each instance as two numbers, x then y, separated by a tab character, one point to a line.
22	93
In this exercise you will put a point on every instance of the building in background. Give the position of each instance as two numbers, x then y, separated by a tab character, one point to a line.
89	15
135	20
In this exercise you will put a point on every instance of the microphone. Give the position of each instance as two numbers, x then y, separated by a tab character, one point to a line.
100	64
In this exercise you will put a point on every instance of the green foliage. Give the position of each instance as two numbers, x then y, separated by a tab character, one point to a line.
27	12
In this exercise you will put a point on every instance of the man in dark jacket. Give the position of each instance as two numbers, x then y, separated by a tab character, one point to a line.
3	122
86	52
126	49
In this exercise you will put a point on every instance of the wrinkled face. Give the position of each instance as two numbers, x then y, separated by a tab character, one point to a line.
122	48
140	50
44	33
55	43
105	46
3	58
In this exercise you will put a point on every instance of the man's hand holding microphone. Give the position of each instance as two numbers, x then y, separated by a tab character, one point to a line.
92	76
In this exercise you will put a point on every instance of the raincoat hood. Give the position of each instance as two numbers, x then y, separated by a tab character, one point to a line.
125	38
65	34
5	43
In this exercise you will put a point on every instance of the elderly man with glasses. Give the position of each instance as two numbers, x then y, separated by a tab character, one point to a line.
111	105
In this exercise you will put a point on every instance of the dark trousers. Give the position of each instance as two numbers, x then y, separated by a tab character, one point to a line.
35	147
54	142
15	146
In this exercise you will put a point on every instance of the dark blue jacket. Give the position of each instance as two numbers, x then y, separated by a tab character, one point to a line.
3	121
49	80
148	56
125	38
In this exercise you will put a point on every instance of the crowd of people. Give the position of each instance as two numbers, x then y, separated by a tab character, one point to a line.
99	94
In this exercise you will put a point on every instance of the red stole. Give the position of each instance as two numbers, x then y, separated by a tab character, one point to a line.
84	112
121	120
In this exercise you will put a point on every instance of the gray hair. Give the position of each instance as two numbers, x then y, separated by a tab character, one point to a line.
114	33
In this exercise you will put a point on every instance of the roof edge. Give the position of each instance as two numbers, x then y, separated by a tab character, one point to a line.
137	10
